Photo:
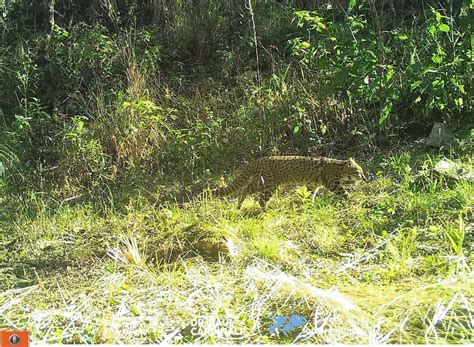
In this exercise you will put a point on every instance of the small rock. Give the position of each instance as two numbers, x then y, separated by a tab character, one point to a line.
440	135
454	170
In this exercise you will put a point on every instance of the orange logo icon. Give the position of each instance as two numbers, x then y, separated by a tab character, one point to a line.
14	339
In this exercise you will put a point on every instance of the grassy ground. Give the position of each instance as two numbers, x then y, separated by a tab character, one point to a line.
392	264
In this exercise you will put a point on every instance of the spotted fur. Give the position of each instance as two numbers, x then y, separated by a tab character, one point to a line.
264	176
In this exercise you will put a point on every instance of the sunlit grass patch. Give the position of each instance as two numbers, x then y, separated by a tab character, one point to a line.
391	264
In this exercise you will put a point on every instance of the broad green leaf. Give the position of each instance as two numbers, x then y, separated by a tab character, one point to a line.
443	27
352	3
437	59
305	45
321	25
387	108
432	29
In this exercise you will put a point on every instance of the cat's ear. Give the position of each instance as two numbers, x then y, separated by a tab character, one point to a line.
350	160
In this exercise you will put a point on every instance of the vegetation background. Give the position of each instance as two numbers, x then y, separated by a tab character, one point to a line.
114	112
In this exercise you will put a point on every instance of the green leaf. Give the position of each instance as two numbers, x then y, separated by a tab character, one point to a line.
323	128
443	27
437	59
305	45
321	25
440	51
390	73
412	57
135	310
415	85
352	3
387	109
438	84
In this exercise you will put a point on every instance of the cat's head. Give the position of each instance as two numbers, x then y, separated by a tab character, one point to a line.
352	171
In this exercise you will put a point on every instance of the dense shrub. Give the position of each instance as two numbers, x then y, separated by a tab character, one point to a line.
177	87
425	69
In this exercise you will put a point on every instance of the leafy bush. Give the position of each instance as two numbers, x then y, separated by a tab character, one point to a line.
426	69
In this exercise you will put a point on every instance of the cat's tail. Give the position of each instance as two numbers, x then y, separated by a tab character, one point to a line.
234	187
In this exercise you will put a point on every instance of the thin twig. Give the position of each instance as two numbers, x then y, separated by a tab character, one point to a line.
250	8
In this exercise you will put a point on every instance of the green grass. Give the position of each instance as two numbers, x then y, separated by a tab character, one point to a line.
392	264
